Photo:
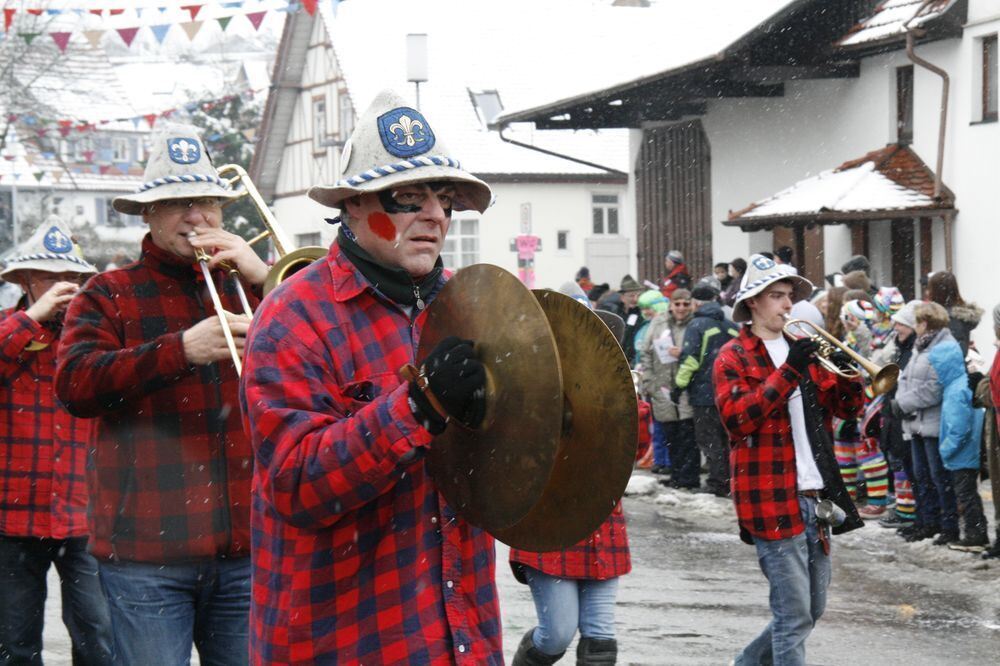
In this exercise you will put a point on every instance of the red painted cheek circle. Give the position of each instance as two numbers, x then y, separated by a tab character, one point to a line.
382	226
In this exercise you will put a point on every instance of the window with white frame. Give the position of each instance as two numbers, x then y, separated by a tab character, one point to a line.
307	240
562	241
319	124
487	104
604	208
461	247
120	149
345	115
989	78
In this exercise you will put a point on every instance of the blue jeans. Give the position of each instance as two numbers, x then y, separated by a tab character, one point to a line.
563	604
937	505
661	456
24	565
157	611
798	572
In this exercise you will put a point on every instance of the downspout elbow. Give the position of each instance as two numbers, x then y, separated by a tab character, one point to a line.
503	126
911	34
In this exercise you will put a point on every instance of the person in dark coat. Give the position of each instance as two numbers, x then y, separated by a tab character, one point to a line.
963	318
631	313
677	273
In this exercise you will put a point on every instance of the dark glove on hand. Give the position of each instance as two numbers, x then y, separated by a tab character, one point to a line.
843	359
457	379
801	353
675	395
897	412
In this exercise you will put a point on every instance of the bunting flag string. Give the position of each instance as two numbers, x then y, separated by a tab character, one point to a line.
62	36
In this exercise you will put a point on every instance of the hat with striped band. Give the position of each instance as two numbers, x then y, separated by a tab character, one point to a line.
179	167
762	273
392	145
51	249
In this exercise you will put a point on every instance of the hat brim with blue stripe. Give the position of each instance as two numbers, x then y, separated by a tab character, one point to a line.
185	186
756	280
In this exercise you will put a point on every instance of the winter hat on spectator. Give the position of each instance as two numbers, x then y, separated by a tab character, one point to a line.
858	262
597	291
888	300
704	292
179	167
393	144
861	310
857	280
573	290
685	295
51	249
761	273
907	315
675	256
652	298
629	284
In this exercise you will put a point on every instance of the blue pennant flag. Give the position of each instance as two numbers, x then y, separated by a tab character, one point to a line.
160	31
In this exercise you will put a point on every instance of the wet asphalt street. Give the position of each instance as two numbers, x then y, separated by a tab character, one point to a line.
696	595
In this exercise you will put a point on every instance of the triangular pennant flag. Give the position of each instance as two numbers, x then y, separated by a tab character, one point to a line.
48	154
151	119
61	39
167	113
53	12
191	28
104	169
162	9
8	18
136	120
138	12
232	5
83	127
122	166
224	21
193	10
310	6
39	175
28	36
160	31
127	34
57	176
35	12
64	131
94	37
96	12
256	18
115	12
88	156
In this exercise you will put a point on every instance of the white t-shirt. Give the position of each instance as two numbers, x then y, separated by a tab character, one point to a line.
806	473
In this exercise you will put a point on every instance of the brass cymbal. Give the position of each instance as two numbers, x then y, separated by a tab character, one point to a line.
495	474
599	437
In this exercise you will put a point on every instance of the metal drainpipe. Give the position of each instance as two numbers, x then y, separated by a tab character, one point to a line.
615	172
945	84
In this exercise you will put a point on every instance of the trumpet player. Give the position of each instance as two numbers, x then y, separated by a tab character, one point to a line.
776	403
145	355
43	497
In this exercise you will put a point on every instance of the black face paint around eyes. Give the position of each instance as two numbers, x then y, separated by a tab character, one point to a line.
391	206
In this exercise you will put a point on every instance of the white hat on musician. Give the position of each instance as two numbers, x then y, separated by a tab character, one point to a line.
393	145
179	167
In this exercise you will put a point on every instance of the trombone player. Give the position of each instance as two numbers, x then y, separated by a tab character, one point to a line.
145	355
357	557
776	403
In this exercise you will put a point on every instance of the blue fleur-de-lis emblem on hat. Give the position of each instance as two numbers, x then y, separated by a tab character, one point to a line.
762	263
56	241
184	150
405	132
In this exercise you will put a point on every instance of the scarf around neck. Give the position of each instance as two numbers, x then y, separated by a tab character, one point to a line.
395	283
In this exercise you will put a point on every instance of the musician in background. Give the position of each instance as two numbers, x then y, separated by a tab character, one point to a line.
357	557
144	354
43	496
776	403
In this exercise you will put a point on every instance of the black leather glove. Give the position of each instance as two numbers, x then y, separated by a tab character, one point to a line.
457	379
842	359
801	353
675	395
898	413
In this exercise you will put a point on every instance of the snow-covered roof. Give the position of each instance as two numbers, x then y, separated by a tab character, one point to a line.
878	185
529	52
889	18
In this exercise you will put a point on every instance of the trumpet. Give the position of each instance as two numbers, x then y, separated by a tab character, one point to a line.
883	378
290	261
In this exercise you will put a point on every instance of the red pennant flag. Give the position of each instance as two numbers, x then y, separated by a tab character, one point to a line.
193	9
65	123
310	6
8	18
151	119
167	113
96	12
256	18
115	12
35	12
104	169
127	35
61	39
11	117
64	131
83	127
88	156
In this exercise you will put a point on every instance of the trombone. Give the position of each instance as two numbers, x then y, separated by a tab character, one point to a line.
883	377
289	261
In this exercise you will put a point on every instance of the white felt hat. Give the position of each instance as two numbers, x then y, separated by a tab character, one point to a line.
179	167
50	249
761	274
392	145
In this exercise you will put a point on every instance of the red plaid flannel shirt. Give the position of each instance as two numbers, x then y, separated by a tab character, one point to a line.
170	479
43	491
356	557
602	555
751	396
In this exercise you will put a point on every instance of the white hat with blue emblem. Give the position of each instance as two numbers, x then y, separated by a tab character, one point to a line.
51	249
179	167
393	145
762	273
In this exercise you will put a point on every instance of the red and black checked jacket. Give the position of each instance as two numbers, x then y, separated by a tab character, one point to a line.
752	396
170	478
43	448
356	557
602	555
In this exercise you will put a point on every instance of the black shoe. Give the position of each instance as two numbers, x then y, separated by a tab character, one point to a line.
946	538
921	533
528	655
971	544
661	470
893	521
596	651
993	553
